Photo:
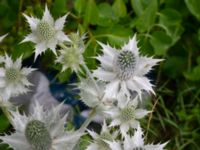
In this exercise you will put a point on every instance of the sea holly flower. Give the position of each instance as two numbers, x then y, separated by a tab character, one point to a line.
13	77
41	130
77	41
124	70
92	96
99	139
135	142
126	115
72	56
46	33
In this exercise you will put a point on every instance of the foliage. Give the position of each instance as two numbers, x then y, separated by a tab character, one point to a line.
166	28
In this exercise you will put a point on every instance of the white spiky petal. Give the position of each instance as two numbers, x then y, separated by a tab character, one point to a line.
126	115
13	78
46	33
136	142
92	96
2	37
124	70
99	139
53	125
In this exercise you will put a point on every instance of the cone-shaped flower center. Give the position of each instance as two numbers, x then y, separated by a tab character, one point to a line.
45	30
139	148
12	75
127	114
125	64
72	57
38	136
102	144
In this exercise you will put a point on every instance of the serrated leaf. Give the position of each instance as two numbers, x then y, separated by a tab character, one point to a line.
160	42
147	18
169	16
194	7
119	8
107	16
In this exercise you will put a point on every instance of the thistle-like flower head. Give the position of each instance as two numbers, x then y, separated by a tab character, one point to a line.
126	114
46	33
42	130
13	77
99	139
124	70
135	142
72	56
92	96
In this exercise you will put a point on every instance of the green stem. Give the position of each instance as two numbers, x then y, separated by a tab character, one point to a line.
88	120
93	111
91	77
62	46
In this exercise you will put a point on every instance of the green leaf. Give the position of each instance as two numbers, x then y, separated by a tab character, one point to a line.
91	13
137	7
107	16
119	8
80	5
194	74
4	123
160	42
169	16
146	20
194	7
25	49
59	7
116	35
145	45
175	32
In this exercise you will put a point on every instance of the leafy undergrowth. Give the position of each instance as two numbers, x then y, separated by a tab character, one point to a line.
167	29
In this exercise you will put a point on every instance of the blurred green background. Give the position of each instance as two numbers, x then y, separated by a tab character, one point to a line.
168	29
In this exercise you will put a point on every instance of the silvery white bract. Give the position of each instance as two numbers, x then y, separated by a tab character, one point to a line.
46	33
2	37
41	130
126	115
99	139
124	70
92	96
13	77
135	142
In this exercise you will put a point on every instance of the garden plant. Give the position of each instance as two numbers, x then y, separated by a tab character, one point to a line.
134	64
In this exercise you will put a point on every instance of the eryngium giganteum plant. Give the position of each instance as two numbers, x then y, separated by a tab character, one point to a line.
108	91
45	33
42	130
13	77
